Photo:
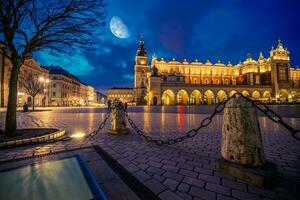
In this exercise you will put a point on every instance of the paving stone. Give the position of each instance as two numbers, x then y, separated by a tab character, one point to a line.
193	181
174	176
169	162
155	170
169	195
262	192
170	168
185	196
203	171
143	166
141	175
183	187
155	186
131	168
244	195
209	178
223	197
202	193
171	184
188	173
154	164
217	188
234	184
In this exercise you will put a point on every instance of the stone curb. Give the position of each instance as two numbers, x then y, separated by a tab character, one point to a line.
33	140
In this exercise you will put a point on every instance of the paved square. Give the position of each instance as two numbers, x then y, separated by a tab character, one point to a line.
184	170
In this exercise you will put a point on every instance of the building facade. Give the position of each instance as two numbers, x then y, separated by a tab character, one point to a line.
122	94
30	67
67	90
271	79
63	88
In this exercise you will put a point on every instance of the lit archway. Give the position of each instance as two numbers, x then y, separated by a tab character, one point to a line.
168	98
221	95
246	93
283	93
266	94
256	95
182	97
232	92
209	97
195	97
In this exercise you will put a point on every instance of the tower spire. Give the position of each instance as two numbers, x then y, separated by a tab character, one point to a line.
141	50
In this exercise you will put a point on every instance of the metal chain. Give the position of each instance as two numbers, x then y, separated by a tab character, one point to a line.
191	133
275	117
206	121
101	125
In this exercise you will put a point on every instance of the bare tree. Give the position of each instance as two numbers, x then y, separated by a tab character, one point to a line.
32	86
59	26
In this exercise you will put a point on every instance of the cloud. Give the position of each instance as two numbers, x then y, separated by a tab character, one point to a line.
76	64
128	77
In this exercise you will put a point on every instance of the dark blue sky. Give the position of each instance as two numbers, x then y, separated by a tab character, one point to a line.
206	29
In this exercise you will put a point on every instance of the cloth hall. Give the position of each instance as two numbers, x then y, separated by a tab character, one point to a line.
162	82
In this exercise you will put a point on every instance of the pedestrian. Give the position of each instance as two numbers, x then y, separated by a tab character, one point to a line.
108	104
125	106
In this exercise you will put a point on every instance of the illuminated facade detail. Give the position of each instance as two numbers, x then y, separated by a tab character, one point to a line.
61	87
122	94
30	67
174	82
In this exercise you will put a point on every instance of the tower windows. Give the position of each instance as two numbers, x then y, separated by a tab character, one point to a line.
282	74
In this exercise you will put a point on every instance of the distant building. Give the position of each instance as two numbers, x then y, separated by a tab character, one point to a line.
173	82
101	98
122	94
30	67
67	90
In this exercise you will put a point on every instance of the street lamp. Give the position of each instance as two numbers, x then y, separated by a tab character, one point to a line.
42	79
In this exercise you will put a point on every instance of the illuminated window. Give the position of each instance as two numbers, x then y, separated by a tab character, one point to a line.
282	74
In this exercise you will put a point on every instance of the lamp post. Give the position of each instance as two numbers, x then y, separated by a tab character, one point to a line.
45	81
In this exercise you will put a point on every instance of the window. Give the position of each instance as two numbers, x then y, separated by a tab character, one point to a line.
257	79
282	74
53	94
226	81
54	85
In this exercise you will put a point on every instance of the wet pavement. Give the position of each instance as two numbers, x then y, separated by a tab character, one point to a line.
182	171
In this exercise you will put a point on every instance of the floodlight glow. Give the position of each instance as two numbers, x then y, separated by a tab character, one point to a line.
78	135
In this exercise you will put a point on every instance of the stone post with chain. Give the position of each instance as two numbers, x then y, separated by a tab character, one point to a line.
241	146
118	122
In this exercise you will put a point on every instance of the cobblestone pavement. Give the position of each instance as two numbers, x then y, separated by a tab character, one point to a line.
182	171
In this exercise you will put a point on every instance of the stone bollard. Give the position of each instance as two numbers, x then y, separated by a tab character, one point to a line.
118	123
241	146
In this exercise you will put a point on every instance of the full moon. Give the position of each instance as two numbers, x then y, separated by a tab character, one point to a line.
118	28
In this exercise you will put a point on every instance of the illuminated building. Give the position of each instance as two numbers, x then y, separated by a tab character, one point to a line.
29	67
123	94
67	90
172	82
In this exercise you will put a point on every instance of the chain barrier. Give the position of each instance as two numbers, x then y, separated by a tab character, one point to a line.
275	117
191	133
206	121
101	125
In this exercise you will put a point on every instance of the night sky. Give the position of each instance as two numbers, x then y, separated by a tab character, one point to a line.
207	29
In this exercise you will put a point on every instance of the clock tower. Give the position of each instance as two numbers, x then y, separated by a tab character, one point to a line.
141	72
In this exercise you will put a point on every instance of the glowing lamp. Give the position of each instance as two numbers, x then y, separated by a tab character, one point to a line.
41	79
78	135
